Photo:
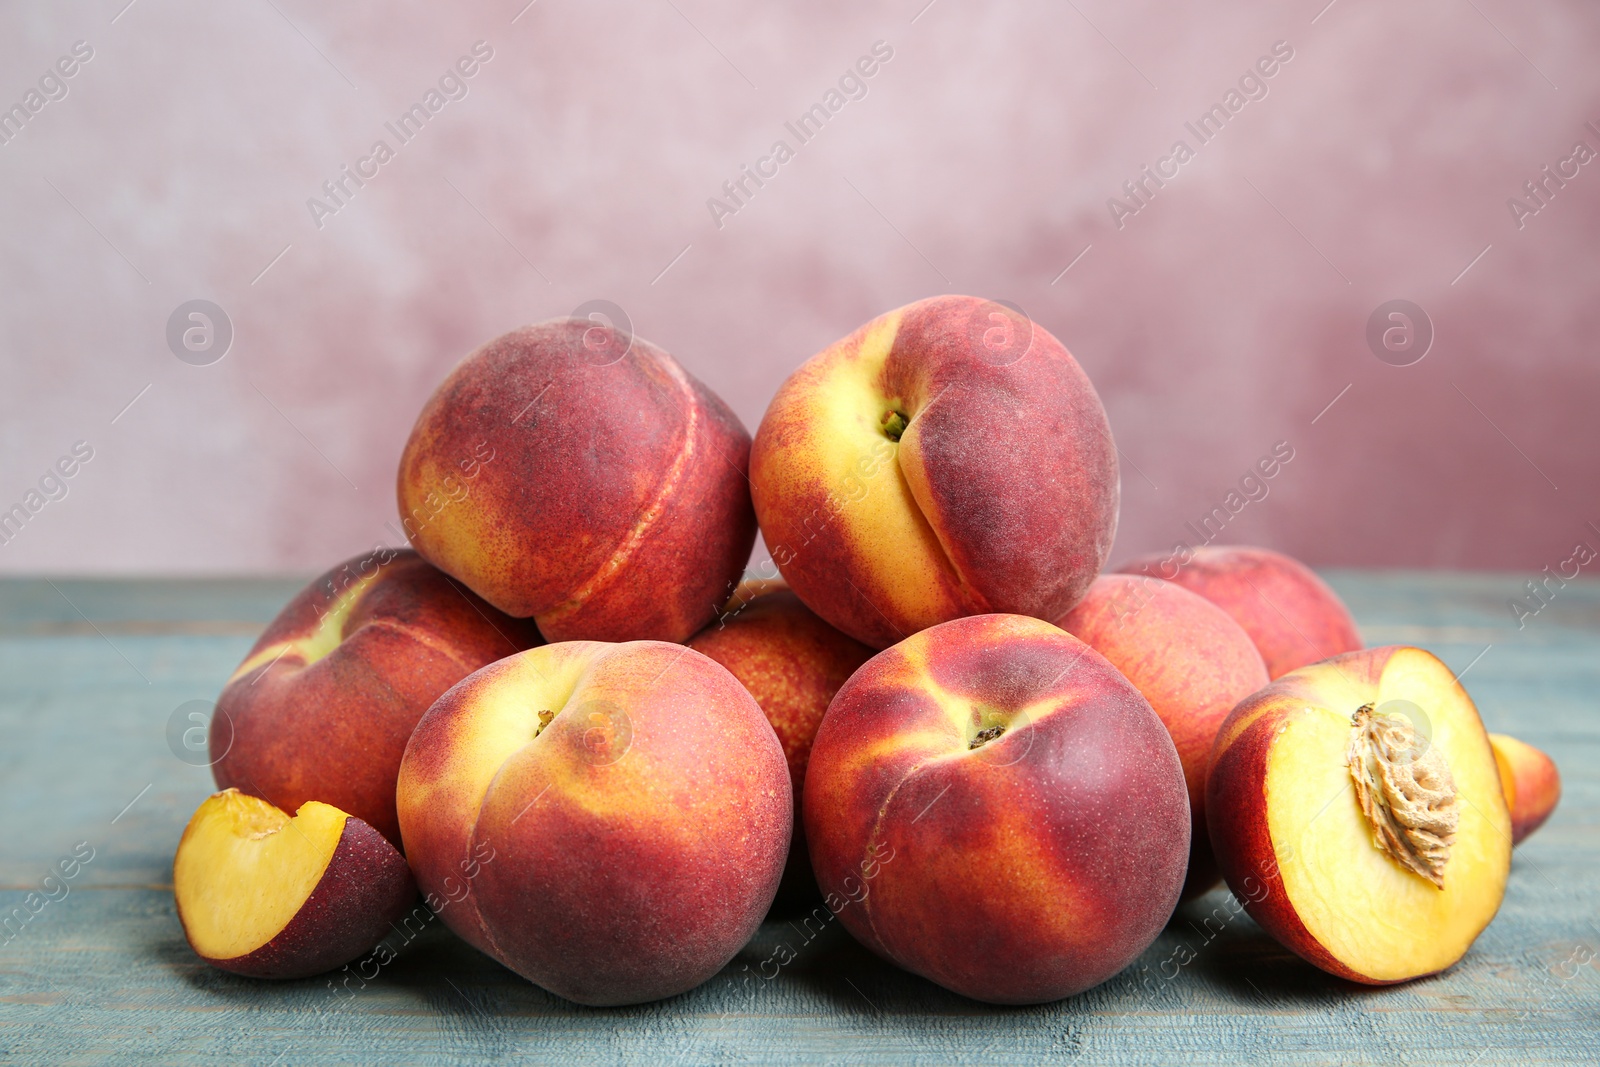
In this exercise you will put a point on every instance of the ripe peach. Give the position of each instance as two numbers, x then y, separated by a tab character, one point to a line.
322	706
264	895
948	458
1531	783
792	663
1290	613
572	473
609	821
1189	660
1356	809
1015	806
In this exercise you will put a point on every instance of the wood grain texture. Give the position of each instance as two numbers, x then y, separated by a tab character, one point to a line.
103	974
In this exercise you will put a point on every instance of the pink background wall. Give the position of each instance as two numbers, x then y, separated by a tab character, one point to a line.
1220	319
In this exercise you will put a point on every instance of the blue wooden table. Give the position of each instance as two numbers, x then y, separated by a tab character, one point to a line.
94	677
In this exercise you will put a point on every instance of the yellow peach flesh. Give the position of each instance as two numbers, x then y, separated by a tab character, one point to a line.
245	868
1374	916
1508	774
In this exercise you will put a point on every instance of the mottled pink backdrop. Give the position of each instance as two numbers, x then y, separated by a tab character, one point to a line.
1221	318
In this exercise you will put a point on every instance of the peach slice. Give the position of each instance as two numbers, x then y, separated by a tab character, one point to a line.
1531	782
1356	808
269	896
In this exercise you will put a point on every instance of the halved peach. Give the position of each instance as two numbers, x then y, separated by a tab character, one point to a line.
269	896
1355	807
1531	782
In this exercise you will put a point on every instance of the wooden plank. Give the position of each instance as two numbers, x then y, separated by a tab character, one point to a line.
104	973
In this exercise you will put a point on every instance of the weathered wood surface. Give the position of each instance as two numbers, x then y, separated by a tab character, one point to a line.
90	672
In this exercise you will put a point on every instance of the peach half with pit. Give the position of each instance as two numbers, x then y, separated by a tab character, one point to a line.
267	895
1356	809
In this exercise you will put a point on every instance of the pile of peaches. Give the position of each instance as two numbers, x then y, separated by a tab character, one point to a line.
600	754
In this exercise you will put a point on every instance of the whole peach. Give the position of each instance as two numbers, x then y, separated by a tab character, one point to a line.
1531	783
998	810
610	821
948	458
324	703
576	474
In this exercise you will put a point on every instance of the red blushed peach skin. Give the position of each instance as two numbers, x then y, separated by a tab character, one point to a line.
323	705
1290	613
1300	849
570	473
1014	805
609	821
1190	660
948	458
792	663
1531	783
264	895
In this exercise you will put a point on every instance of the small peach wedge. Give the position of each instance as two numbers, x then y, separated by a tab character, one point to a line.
269	896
